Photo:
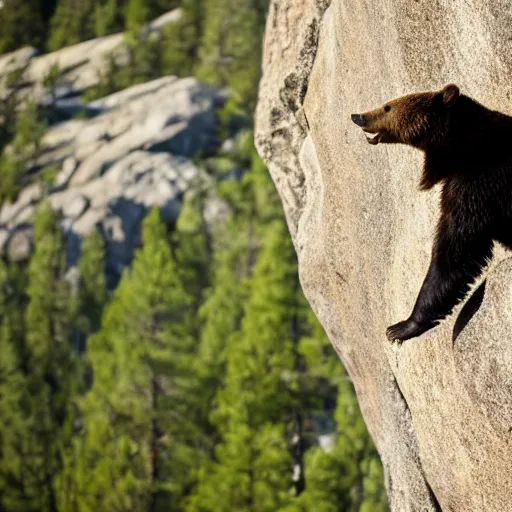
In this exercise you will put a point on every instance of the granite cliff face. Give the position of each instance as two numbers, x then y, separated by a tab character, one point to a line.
440	407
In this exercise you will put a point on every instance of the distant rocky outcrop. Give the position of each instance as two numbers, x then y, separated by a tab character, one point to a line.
80	67
135	151
437	407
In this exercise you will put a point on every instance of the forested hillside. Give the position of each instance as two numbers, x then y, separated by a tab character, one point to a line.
200	381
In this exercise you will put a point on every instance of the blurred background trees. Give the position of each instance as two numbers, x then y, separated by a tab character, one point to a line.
203	382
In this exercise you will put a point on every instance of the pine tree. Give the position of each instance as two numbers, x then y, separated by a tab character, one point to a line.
13	423
72	23
108	17
354	444
13	428
22	152
253	471
181	40
139	451
29	132
136	15
349	478
234	245
231	48
92	293
220	315
51	380
192	247
21	24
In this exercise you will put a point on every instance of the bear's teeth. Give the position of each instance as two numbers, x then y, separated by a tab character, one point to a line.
373	138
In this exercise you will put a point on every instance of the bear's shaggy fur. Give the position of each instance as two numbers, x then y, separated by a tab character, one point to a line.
468	149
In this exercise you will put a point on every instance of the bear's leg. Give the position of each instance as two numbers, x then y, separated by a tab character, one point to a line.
457	260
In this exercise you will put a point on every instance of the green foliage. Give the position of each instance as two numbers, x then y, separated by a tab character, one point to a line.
349	478
22	152
192	248
208	378
222	311
48	311
27	22
180	48
21	24
13	423
230	52
51	81
72	23
42	365
11	173
92	293
138	448
107	17
136	16
253	467
29	132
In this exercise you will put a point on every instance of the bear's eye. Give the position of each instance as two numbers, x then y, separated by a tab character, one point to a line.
387	108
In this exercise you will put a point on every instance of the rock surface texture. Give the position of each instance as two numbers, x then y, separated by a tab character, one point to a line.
438	408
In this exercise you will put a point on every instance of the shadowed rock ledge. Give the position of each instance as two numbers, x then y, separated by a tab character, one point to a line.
440	407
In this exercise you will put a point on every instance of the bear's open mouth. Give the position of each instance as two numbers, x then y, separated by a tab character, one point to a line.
372	137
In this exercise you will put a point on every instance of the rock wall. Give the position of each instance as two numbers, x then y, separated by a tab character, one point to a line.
439	407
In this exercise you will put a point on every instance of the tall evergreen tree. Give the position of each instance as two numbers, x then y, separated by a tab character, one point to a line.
72	23
220	316
254	466
181	40
108	17
50	381
192	247
235	243
92	290
136	15
138	451
231	48
23	149
349	478
22	24
13	422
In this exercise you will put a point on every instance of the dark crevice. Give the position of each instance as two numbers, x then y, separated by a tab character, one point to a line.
401	396
432	496
468	311
308	56
296	84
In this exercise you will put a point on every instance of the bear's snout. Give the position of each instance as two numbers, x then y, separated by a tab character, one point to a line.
359	119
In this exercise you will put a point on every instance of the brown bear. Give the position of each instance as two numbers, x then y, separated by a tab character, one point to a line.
467	149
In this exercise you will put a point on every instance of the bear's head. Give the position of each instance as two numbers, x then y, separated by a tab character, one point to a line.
421	120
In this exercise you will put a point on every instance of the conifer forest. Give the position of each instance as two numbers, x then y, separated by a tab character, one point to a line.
198	379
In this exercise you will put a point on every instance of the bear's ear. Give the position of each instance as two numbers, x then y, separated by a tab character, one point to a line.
450	94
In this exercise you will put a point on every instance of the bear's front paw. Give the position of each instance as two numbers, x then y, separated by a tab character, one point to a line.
408	329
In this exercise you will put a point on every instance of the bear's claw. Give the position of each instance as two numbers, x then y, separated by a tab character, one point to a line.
407	329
